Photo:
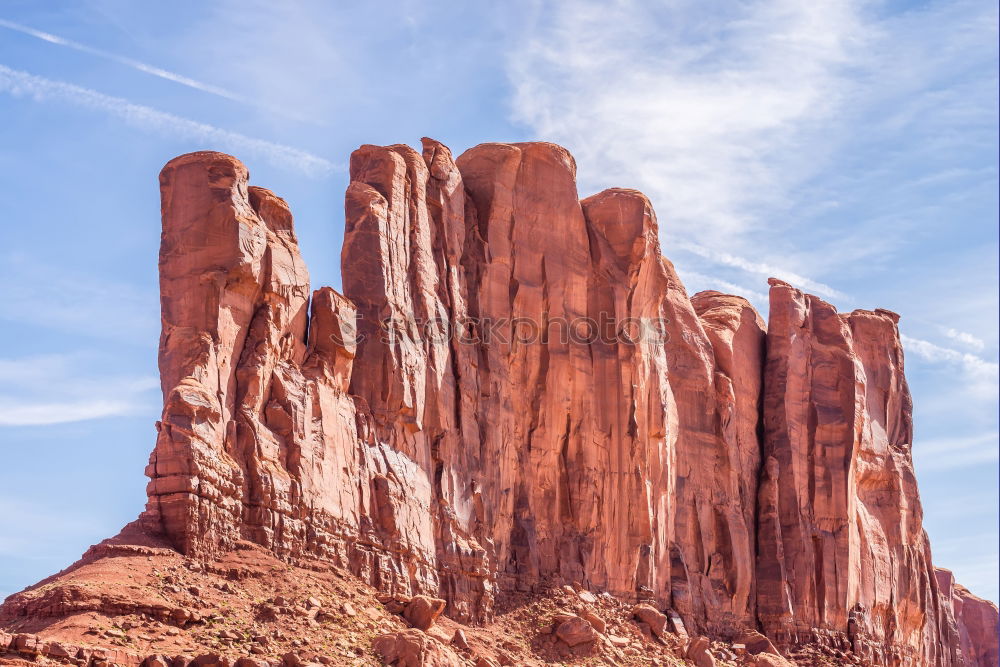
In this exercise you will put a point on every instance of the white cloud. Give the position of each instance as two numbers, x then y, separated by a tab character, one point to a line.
696	282
56	389
17	412
982	375
716	111
23	84
965	338
761	269
736	119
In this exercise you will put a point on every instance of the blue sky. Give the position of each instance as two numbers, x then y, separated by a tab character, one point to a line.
848	147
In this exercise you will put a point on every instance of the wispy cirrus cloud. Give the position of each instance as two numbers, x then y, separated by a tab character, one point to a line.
748	123
704	106
761	269
19	412
23	84
983	376
965	338
696	282
41	390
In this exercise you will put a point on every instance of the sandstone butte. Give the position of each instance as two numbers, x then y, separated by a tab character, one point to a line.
332	469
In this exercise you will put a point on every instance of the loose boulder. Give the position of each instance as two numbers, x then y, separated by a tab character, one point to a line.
413	648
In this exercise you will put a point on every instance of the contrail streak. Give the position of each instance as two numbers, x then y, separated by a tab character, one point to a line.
142	67
18	84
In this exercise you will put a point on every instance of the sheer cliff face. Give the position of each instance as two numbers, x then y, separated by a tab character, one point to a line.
538	443
556	451
841	546
259	439
516	391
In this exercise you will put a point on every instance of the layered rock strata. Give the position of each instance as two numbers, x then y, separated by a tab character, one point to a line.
515	392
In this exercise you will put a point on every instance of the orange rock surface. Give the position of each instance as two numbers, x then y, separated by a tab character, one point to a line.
515	400
843	557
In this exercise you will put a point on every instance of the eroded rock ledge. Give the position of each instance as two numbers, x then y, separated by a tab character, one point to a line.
442	428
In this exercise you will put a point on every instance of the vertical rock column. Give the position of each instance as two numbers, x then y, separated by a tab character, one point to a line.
211	271
259	439
578	486
711	580
532	280
722	443
402	264
842	557
629	461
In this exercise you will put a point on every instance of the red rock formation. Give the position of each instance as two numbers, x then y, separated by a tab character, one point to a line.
259	439
554	457
505	450
978	628
842	556
502	414
975	621
517	393
715	370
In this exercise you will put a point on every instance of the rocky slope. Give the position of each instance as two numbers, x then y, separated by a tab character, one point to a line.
515	394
